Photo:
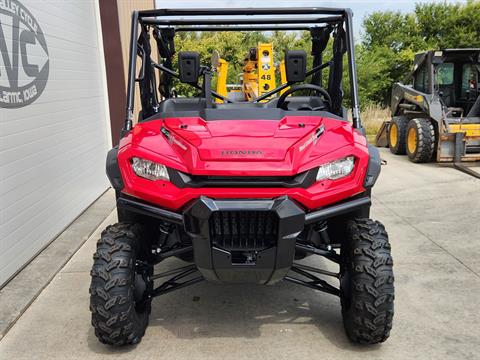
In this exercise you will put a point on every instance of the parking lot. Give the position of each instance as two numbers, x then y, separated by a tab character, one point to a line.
432	214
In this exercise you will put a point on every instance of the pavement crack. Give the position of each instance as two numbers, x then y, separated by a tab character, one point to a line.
426	236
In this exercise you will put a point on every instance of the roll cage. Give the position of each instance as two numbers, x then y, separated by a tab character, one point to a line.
162	24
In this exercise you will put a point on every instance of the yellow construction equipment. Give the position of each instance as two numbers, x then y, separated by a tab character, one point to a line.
258	76
437	116
222	70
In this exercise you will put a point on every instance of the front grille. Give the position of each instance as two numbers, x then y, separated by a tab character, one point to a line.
239	179
243	230
246	181
182	180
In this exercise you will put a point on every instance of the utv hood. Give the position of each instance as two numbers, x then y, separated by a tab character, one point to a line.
252	140
239	147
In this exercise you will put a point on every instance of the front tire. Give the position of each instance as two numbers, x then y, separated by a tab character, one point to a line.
420	140
119	303
366	284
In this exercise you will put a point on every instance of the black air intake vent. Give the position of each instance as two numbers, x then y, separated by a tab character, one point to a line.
243	230
182	180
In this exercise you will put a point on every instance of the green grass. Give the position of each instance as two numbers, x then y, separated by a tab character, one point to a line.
373	117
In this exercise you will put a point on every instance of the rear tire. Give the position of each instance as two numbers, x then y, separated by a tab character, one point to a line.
118	292
366	283
420	140
396	135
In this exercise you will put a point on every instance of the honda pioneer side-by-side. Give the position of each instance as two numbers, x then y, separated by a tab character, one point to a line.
242	187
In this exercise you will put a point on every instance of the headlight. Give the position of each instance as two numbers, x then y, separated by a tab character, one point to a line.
336	169
149	169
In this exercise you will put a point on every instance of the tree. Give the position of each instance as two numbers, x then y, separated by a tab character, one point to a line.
394	30
446	25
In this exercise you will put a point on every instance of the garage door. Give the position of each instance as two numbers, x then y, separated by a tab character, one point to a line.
54	131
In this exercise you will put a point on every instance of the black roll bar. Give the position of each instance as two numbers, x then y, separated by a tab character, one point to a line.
357	123
131	74
242	28
229	21
242	11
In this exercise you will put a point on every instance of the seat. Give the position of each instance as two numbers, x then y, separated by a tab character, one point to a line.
448	95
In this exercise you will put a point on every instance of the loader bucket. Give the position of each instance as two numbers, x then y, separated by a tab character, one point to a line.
381	139
461	143
460	146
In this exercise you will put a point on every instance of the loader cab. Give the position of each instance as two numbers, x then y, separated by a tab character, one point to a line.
452	75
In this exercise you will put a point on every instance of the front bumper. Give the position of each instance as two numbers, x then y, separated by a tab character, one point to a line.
249	241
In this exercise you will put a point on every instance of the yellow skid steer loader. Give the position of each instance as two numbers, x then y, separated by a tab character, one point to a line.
438	117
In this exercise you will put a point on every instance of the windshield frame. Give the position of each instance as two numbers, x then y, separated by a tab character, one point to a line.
242	19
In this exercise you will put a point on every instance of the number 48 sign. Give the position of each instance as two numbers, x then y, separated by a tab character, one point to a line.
24	62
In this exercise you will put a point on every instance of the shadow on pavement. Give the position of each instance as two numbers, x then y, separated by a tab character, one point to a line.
241	311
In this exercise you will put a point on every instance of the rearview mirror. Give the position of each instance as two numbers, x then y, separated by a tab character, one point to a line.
295	65
189	66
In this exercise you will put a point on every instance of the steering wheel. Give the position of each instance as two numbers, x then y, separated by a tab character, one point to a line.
318	89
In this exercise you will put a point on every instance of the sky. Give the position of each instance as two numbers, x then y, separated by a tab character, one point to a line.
360	7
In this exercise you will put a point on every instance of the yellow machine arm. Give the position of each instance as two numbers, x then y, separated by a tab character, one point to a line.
222	73
266	69
283	76
250	77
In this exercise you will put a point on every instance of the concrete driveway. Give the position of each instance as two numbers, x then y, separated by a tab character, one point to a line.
432	214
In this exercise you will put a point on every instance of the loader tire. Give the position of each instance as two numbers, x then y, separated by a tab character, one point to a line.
119	302
420	140
366	283
397	135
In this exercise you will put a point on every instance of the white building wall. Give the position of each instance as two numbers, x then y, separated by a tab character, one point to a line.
52	151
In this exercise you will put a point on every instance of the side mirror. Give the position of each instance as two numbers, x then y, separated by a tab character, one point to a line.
189	66
295	65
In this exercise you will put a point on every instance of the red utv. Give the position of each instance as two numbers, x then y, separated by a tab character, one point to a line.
242	190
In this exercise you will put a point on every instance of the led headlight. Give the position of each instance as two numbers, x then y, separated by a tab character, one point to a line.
149	169
336	169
